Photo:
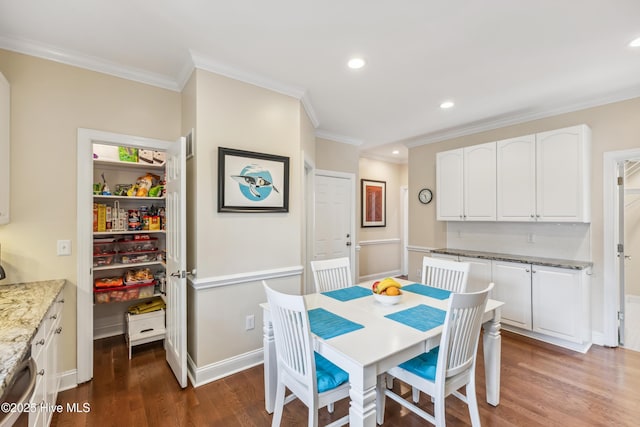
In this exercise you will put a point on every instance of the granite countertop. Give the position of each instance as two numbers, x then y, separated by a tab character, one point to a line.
22	308
548	262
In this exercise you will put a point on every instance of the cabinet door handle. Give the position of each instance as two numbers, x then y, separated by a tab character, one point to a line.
41	372
59	330
527	271
533	271
53	316
41	342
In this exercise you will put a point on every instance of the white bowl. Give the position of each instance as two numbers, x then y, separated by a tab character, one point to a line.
387	299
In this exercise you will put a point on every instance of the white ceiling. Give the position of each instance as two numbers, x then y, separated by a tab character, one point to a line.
500	61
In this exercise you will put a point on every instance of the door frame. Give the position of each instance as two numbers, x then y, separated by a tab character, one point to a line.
611	277
404	218
351	177
84	299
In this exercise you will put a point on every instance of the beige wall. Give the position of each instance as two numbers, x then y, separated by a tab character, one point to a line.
380	247
49	102
238	115
614	127
336	156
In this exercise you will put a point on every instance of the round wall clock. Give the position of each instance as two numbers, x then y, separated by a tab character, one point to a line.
425	196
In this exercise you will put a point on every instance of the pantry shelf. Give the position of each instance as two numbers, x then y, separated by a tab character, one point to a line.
119	265
112	197
112	233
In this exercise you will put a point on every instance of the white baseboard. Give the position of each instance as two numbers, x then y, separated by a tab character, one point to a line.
598	338
206	374
579	347
68	380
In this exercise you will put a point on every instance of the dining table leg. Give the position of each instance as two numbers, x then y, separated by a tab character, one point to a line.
362	410
270	361
492	342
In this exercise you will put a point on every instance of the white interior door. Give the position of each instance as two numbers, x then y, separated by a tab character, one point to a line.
334	217
176	297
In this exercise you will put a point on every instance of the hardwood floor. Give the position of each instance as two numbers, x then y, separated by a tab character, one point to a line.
542	385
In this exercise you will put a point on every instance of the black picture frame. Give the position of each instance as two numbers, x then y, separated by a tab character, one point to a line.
373	203
252	182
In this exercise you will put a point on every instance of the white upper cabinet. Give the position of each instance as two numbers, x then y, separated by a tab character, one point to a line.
466	183
4	149
480	182
540	177
563	165
544	177
449	185
516	179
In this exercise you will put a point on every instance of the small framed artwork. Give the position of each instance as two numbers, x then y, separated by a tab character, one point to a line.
374	203
252	182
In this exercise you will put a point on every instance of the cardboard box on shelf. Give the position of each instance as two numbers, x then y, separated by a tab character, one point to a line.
145	156
159	157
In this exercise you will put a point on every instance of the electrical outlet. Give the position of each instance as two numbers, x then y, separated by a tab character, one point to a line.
250	322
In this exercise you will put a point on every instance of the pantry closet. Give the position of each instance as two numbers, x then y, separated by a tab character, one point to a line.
131	244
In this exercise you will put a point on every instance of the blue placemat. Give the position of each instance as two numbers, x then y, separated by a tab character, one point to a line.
427	291
421	317
347	294
327	325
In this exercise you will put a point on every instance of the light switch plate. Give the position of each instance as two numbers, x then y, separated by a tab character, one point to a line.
64	247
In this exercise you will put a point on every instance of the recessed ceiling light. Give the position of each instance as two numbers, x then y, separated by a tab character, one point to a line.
635	43
355	63
395	152
446	104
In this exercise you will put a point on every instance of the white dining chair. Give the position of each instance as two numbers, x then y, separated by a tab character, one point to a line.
311	378
331	274
446	368
445	274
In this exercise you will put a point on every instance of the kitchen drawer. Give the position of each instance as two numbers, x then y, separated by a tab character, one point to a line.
145	328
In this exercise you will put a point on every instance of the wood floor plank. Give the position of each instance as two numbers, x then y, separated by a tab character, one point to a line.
541	385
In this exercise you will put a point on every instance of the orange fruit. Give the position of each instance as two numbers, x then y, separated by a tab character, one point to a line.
392	291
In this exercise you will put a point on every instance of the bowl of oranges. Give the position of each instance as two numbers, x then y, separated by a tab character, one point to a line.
387	291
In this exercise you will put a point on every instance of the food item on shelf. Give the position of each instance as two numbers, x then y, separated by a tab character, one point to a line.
147	306
155	191
143	275
123	293
144	184
108	282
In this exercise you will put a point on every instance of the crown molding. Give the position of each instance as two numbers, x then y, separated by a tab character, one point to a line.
381	158
204	63
308	107
515	119
337	138
88	62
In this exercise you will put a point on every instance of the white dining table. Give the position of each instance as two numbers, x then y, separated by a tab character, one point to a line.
381	344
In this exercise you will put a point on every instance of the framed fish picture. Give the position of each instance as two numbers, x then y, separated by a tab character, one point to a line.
252	182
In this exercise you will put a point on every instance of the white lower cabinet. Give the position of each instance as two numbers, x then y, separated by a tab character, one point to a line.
551	302
479	270
45	350
548	303
480	273
513	287
560	303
